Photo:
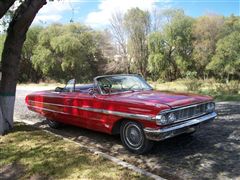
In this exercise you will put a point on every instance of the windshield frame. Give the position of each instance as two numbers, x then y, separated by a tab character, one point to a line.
119	92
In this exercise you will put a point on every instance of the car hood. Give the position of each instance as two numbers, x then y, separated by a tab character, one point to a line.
171	99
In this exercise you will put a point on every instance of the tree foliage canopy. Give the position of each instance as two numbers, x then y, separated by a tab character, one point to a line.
170	50
177	46
137	25
206	34
226	61
68	51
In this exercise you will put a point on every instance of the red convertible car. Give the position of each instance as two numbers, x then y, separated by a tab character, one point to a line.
125	105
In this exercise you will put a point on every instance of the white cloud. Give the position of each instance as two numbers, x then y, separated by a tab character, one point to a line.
48	18
52	11
107	7
55	7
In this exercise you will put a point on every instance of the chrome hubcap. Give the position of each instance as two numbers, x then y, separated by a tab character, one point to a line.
133	136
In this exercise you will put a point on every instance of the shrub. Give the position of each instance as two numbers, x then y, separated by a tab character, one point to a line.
193	84
232	87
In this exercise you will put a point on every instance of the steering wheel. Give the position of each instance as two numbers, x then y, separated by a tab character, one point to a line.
106	88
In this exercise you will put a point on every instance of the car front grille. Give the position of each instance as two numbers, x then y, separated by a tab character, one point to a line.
184	113
190	112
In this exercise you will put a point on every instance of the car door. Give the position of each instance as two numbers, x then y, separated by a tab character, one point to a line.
70	103
72	107
85	110
93	106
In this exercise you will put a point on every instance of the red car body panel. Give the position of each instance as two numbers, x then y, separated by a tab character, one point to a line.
102	112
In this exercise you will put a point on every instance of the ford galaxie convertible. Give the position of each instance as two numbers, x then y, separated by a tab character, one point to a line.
125	105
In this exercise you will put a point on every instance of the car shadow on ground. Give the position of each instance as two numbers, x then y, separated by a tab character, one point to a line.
211	153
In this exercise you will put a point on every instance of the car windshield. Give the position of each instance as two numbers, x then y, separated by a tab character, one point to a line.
121	83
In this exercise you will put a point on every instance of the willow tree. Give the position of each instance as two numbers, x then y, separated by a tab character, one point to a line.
170	49
226	61
16	35
67	51
206	34
137	24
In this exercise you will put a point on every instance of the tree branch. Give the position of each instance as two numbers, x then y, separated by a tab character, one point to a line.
25	15
16	35
4	6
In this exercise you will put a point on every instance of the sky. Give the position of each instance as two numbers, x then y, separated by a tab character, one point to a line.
97	13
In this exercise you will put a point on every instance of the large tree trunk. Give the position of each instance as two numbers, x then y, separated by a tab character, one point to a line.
16	36
1	125
4	6
6	108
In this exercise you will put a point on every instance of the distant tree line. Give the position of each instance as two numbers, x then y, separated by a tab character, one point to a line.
164	45
168	45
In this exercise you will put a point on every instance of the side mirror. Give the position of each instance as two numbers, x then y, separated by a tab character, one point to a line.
58	89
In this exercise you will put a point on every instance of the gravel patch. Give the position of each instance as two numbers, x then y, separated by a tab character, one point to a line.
213	152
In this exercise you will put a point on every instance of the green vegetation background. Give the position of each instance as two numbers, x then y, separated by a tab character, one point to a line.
168	47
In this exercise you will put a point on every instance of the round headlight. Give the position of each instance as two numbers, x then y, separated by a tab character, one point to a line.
171	118
210	107
161	120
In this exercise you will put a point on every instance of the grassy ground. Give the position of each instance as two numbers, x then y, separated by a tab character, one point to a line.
30	153
219	91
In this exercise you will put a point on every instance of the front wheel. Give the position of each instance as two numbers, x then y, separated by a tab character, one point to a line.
133	137
53	124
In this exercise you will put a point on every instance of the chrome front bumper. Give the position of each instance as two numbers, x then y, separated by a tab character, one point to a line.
179	128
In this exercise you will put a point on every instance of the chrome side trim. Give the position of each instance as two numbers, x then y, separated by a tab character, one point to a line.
103	111
49	110
176	129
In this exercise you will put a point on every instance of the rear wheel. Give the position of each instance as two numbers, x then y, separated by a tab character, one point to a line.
53	124
133	137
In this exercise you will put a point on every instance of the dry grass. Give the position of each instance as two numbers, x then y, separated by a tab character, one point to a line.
220	91
28	152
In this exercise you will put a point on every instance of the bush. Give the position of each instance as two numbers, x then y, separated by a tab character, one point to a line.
232	87
193	84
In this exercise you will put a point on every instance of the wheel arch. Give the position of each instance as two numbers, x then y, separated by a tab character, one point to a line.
117	125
